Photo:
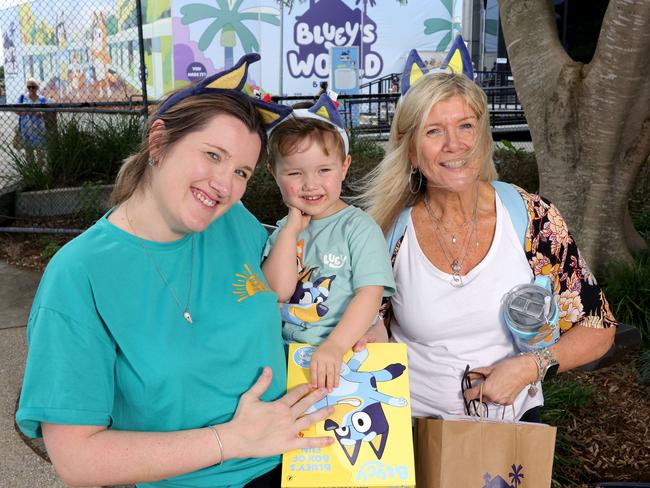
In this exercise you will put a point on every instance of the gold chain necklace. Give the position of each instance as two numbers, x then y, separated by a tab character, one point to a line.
186	311
456	264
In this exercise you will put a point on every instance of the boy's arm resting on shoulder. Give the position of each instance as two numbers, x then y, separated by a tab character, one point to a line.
280	267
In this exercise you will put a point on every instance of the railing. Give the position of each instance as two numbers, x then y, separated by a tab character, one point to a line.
373	113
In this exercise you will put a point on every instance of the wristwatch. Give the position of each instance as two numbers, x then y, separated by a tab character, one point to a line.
547	365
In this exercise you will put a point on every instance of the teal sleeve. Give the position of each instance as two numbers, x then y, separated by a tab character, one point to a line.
69	374
369	257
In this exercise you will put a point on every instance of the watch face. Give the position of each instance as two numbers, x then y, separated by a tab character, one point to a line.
551	371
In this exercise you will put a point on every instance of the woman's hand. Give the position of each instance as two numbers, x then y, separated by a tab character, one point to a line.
261	429
376	333
325	366
504	380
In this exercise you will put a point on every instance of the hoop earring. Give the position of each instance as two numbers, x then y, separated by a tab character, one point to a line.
415	191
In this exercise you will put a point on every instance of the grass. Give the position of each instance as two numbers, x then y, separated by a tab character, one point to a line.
628	291
562	400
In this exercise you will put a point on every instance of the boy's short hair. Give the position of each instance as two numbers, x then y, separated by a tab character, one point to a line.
287	136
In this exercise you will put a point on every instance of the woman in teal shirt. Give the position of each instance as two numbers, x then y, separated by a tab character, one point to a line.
155	353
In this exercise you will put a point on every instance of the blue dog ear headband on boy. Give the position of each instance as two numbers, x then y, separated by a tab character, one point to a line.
233	79
457	60
325	111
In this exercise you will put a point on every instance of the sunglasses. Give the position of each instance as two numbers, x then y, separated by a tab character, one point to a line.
30	87
472	407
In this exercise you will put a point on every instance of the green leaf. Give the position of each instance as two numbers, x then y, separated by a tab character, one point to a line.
444	43
247	38
210	33
431	26
194	12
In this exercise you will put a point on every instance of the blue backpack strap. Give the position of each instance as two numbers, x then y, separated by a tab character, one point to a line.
516	207
398	229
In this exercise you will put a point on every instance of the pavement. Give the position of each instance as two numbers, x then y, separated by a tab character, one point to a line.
20	465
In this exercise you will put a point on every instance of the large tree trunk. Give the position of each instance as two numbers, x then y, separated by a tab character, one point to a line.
590	124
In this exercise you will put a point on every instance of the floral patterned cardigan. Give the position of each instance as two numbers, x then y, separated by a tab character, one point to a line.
552	251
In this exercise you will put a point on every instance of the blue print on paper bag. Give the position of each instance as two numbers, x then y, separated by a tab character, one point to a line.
498	482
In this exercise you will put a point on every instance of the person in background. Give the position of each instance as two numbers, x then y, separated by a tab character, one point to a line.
31	124
155	354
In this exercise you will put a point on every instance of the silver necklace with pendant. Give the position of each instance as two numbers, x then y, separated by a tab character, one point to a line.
455	264
186	311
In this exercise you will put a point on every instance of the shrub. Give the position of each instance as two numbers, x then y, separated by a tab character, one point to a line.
263	197
77	150
366	154
627	287
28	171
516	165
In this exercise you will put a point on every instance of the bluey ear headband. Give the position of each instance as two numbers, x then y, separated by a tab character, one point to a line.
233	79
457	60
325	111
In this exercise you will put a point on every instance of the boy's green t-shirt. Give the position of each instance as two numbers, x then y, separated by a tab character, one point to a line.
108	344
336	255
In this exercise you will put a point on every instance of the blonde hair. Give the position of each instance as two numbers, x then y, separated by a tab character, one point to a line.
190	115
386	191
286	137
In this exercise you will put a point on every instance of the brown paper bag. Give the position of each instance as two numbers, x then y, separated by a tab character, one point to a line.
475	453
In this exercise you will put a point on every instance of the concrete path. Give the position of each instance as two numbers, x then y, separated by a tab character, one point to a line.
21	467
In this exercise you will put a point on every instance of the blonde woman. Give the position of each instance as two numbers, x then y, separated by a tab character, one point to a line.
456	253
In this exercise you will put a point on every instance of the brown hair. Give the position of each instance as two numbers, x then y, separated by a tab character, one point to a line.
190	115
286	137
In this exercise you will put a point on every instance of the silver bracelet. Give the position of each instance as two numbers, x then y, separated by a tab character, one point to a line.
538	362
213	428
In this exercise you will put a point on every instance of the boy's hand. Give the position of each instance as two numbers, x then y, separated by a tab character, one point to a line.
325	366
296	220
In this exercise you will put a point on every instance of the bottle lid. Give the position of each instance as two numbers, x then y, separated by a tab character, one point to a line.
527	307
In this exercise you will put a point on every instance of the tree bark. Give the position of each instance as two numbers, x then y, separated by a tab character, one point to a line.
590	124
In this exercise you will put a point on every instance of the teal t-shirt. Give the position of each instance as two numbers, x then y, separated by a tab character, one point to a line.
108	344
335	255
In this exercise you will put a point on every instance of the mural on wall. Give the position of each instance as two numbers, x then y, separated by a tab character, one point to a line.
158	46
84	50
448	24
210	34
88	49
9	46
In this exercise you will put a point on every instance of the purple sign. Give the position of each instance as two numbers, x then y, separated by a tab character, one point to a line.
326	24
196	71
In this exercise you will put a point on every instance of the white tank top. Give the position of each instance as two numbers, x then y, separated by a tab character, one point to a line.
447	328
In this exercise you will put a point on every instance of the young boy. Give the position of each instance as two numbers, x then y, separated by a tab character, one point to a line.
343	268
